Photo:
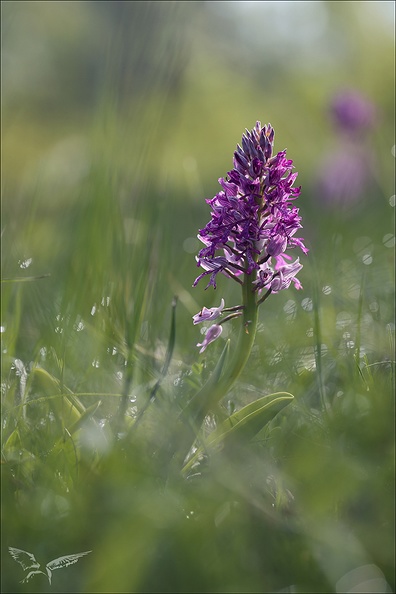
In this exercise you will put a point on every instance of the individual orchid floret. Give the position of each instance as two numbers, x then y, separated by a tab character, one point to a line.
208	314
278	277
285	276
211	334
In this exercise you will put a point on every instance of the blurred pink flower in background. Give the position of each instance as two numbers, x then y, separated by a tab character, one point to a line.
345	175
352	112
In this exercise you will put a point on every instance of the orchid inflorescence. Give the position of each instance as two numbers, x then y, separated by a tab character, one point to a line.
253	223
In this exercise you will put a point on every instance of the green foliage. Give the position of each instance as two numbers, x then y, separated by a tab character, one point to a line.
244	424
105	444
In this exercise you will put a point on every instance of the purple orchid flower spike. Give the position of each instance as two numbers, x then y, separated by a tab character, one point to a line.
253	219
253	224
208	314
212	333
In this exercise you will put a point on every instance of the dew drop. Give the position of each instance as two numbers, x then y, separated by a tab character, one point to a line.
25	263
276	358
343	320
290	309
389	240
307	304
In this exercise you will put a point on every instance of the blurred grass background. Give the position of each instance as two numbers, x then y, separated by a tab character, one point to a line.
118	120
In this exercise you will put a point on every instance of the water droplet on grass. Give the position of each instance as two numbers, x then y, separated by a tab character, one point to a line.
389	240
343	320
290	309
25	263
307	304
367	259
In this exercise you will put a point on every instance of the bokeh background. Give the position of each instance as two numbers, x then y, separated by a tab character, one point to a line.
118	118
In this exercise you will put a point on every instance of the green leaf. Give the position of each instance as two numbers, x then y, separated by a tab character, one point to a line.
245	423
250	419
64	404
86	415
188	423
201	402
13	442
24	279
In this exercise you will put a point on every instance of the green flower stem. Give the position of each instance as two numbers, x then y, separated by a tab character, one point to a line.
245	340
222	379
215	388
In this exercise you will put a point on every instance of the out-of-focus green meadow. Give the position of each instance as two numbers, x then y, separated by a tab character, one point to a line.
118	120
